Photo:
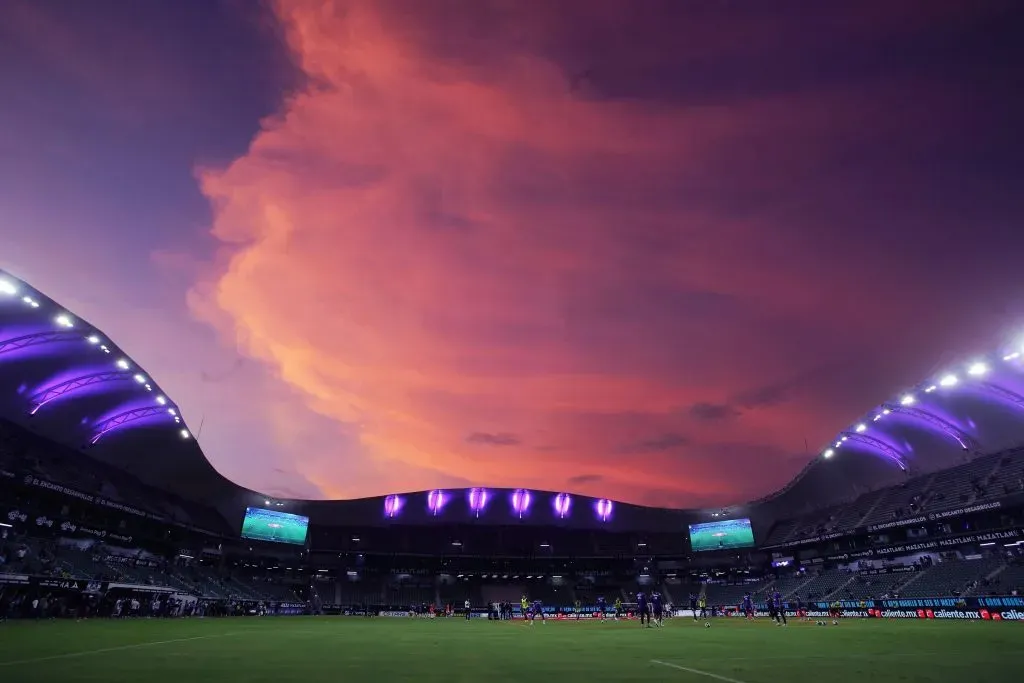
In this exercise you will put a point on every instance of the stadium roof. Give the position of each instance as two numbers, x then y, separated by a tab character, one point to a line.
63	378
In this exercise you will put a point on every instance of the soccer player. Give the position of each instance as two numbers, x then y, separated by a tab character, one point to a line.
800	611
834	610
524	608
703	603
643	610
618	608
693	605
467	608
602	606
657	609
748	607
538	608
578	609
780	609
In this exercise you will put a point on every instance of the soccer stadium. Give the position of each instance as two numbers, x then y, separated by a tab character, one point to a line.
898	551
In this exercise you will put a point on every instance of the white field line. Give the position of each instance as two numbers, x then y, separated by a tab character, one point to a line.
698	672
86	653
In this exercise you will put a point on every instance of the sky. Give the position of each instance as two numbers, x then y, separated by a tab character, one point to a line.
656	251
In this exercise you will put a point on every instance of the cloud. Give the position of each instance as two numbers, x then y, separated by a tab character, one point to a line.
711	412
500	439
442	227
657	444
581	479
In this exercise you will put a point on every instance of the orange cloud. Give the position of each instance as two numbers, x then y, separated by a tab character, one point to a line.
484	276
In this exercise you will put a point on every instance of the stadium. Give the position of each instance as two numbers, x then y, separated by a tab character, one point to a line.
910	519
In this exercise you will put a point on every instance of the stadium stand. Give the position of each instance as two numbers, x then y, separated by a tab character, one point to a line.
82	520
952	578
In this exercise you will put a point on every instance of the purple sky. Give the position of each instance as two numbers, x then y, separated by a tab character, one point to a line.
640	249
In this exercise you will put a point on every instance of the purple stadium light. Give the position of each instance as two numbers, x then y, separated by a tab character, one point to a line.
603	508
392	506
520	502
563	501
436	500
477	500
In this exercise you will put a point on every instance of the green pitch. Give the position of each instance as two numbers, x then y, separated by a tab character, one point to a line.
353	649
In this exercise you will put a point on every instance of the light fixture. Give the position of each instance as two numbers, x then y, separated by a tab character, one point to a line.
977	369
828	453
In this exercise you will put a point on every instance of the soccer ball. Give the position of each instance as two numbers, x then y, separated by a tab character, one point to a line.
707	624
835	622
820	623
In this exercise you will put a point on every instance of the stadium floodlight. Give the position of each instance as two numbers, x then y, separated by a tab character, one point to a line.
149	387
92	339
948	381
436	500
161	400
876	418
844	438
30	301
64	320
478	500
1012	356
828	453
603	508
886	411
7	287
562	504
172	411
392	506
521	499
185	434
838	444
861	427
140	379
930	389
122	363
977	369
907	400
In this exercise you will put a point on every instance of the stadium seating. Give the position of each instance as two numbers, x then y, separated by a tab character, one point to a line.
826	585
949	578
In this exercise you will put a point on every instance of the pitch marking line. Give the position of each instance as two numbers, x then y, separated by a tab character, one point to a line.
85	653
698	672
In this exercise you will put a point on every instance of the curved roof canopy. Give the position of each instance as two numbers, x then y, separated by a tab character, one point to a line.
65	379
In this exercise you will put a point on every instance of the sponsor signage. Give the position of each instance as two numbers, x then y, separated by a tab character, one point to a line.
902	569
31	480
1009	501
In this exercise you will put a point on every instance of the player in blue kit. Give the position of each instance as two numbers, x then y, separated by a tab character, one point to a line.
748	606
657	610
602	607
693	605
780	608
643	609
538	609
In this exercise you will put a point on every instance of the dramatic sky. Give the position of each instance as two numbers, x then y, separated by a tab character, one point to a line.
660	251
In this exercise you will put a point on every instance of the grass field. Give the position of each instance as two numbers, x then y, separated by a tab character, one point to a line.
352	649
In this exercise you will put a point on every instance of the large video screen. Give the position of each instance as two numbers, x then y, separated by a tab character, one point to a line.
268	525
731	533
